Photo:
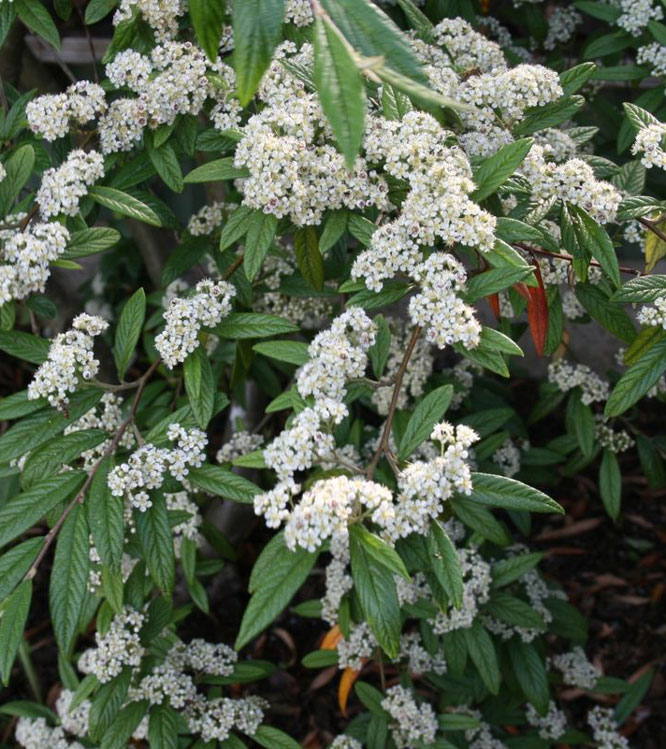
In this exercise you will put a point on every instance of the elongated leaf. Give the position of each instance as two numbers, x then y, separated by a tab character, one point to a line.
107	703
427	413
241	325
482	652
512	568
340	89
494	280
163	727
643	289
500	491
105	517
445	563
591	235
89	241
24	345
288	572
215	171
293	352
610	483
637	380
530	672
124	204
128	331
549	115
15	563
166	164
69	581
208	19
12	624
308	256
514	611
124	725
610	315
379	550
583	422
496	169
375	587
200	386
24	510
334	227
479	519
154	534
35	16
257	26
273	738
571	80
260	233
18	167
633	697
236	226
223	483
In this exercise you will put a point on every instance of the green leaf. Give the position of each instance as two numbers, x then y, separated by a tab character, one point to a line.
380	349
514	611
513	230
480	520
106	518
15	564
377	595
12	624
90	241
340	88
494	280
320	659
360	228
124	725
642	289
235	227
637	380
610	483
602	309
292	352
428	412
200	386
257	25
166	164
500	491
530	672
445	563
124	204
69	582
594	237
163	727
260	234
273	738
496	169
379	550
223	483
335	226
482	652
24	346
371	32
632	699
574	78
18	167
608	44
599	10
583	422
636	206
308	256
241	325
207	17
215	171
128	331
638	116
107	703
513	568
549	115
36	17
154	534
24	510
287	572
98	9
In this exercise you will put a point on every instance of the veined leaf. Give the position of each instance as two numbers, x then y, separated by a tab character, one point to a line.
200	386
124	204
15	563
154	534
292	352
500	491
610	483
260	233
12	624
426	414
223	483
128	331
241	325
445	563
35	16
208	20
637	380
106	518
215	171
496	169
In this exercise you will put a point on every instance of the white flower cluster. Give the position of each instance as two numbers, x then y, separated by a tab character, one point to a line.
345	742
419	660
413	722
338	580
70	358
417	372
468	48
25	258
73	721
36	733
106	415
188	528
636	14
476	591
208	218
654	55
572	181
576	670
214	719
298	12
654	316
650	142
605	729
63	187
358	647
294	170
416	149
118	647
568	376
481	737
161	15
558	144
241	443
507	458
615	440
438	308
147	467
562	25
50	115
552	725
185	317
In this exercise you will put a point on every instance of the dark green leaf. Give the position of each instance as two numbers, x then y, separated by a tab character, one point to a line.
154	534
12	623
200	386
428	412
128	331
500	491
223	483
124	204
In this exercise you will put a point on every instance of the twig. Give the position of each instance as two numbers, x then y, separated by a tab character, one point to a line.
91	46
570	258
652	226
51	535
383	446
233	267
30	216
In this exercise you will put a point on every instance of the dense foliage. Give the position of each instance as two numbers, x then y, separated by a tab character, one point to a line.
305	353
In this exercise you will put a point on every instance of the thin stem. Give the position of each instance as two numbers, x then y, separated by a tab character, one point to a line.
78	499
233	267
383	446
91	46
652	226
570	258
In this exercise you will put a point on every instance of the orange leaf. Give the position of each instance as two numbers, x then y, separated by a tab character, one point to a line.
493	301
331	639
349	676
523	290
537	311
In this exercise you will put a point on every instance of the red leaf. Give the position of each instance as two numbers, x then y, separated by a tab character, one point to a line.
523	290
493	301
537	311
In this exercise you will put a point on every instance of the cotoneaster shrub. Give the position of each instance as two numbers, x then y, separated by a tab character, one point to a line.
312	348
